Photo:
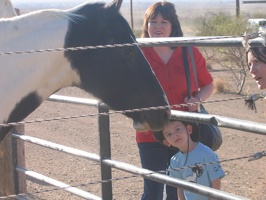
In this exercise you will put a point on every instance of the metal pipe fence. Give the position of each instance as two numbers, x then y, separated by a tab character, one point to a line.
107	163
103	120
217	194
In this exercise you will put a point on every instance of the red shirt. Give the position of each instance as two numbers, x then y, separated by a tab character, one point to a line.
172	77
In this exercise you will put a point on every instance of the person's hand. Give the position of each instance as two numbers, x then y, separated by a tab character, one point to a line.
194	106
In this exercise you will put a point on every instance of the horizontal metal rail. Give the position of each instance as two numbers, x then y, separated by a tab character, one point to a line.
58	147
206	191
207	41
246	2
193	187
66	187
220	121
73	100
216	120
210	41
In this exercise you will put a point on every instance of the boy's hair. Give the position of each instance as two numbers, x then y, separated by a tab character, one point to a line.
158	135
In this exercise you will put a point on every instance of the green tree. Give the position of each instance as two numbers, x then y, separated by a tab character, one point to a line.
231	58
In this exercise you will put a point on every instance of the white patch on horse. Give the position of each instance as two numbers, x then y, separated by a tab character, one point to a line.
43	73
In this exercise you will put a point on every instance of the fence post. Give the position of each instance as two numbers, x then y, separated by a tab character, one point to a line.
12	153
105	151
237	8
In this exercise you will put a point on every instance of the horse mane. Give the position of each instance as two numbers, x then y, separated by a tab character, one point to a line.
61	14
56	13
77	13
86	9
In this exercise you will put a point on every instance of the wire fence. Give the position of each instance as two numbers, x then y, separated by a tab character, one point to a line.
106	172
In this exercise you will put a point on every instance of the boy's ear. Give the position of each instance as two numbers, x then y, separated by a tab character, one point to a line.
189	129
166	143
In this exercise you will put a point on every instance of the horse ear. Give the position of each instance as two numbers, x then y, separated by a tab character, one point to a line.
115	4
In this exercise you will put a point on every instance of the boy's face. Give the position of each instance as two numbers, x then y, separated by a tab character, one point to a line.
176	134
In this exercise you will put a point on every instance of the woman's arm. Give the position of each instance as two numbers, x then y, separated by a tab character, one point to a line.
202	95
205	92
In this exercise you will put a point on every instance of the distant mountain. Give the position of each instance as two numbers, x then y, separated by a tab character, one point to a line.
71	3
187	10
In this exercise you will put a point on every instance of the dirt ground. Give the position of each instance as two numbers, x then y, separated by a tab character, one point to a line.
243	178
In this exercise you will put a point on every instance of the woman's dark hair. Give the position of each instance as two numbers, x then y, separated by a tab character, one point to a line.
258	52
168	12
158	135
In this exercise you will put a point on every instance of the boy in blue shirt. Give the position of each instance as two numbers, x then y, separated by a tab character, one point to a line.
183	135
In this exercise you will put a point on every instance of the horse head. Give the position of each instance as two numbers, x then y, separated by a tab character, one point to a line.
121	77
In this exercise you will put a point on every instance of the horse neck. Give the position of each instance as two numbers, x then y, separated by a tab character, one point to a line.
43	80
41	74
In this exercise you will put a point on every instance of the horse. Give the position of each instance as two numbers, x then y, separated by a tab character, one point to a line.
6	9
120	77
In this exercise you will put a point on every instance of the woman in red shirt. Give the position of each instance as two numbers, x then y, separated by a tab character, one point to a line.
161	20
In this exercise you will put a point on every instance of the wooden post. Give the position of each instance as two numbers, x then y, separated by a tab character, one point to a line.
12	153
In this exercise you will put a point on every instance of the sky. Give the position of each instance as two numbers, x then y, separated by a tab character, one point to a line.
192	3
134	1
185	8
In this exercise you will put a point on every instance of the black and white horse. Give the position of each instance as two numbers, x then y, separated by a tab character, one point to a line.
120	77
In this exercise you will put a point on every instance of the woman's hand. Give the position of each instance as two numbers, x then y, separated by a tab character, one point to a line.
194	103
202	95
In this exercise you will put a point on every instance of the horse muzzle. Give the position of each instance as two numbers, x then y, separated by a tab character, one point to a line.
154	120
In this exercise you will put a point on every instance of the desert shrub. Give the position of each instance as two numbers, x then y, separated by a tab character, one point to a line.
231	58
219	86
